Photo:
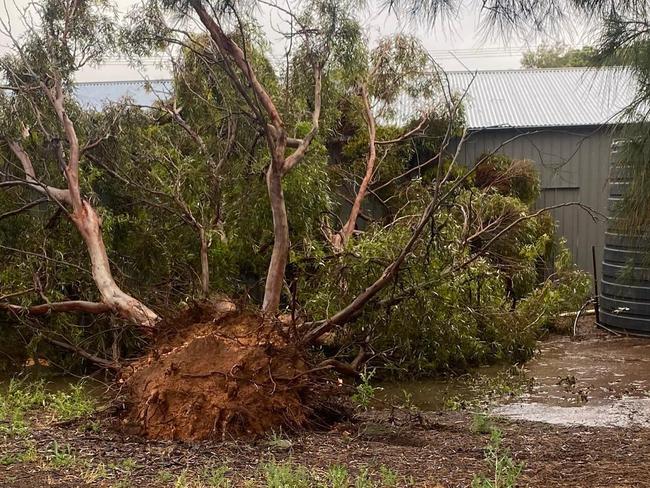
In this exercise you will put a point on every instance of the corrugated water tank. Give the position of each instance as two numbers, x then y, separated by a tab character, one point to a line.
625	286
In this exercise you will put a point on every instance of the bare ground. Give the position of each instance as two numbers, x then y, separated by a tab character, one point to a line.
433	449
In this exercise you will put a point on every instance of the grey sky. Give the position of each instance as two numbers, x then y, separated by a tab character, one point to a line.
457	43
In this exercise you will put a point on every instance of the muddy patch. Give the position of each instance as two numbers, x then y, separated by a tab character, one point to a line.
594	379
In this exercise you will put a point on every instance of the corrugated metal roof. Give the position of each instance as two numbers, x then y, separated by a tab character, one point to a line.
504	98
544	97
97	94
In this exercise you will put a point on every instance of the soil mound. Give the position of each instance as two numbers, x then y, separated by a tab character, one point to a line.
232	375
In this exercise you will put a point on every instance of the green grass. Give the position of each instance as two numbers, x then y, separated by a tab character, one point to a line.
26	456
75	402
22	398
16	402
60	456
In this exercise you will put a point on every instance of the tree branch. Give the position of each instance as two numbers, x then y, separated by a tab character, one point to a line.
69	306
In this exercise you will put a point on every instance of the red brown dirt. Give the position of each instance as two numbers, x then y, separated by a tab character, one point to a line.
215	373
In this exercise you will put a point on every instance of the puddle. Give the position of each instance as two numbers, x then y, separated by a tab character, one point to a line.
629	412
595	379
431	394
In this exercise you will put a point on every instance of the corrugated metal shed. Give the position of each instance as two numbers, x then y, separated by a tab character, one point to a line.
544	97
97	94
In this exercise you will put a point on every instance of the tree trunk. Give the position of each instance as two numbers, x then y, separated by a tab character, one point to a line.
341	238
280	255
205	265
89	225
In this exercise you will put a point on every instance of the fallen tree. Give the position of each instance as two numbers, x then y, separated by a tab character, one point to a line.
224	368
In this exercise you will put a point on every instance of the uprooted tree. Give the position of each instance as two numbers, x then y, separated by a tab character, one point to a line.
254	181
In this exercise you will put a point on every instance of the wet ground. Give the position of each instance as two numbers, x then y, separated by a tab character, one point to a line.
593	379
576	416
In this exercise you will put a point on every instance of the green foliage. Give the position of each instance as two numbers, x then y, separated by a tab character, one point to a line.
504	470
482	311
481	423
365	392
562	56
75	402
286	475
21	397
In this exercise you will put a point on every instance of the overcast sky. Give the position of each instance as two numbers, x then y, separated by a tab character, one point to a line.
457	43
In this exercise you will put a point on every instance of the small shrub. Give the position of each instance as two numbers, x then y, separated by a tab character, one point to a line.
481	424
505	472
518	178
365	392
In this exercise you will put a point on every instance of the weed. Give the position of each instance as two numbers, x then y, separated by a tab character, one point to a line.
216	477
337	476
481	423
60	456
389	478
183	480
126	466
407	402
93	474
505	470
71	404
279	441
26	456
164	476
364	481
121	484
365	392
94	426
286	475
455	404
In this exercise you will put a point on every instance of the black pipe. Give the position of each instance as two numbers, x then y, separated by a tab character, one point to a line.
596	301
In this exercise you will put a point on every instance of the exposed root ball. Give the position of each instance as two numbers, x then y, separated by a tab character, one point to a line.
227	377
